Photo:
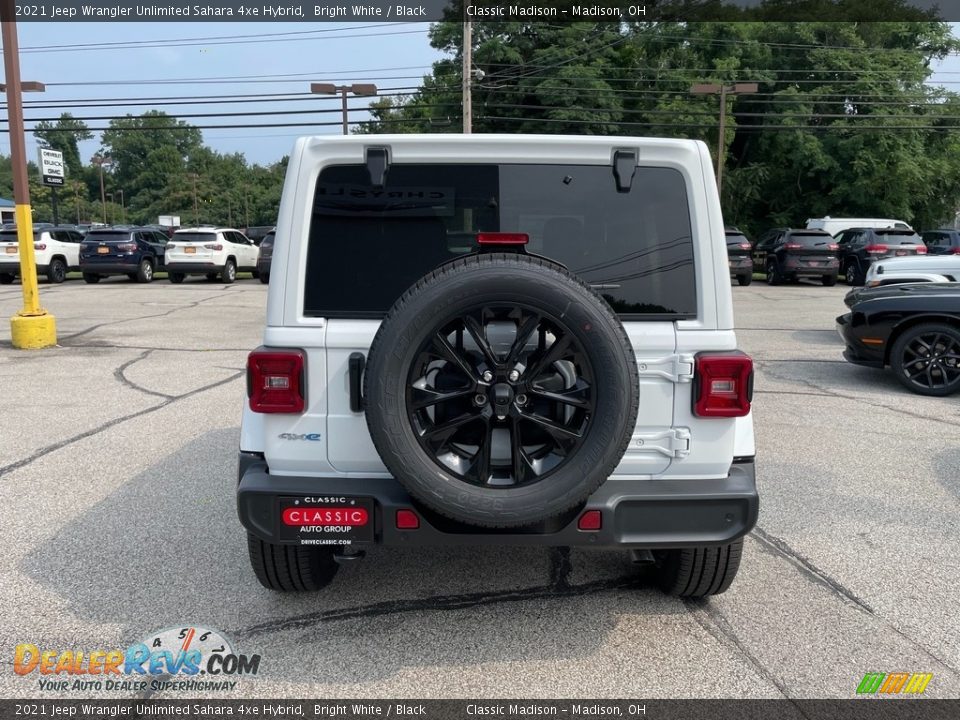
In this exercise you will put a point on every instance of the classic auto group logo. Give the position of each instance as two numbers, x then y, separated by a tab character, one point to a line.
191	658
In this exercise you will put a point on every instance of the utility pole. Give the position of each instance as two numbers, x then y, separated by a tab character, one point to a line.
99	160
33	327
722	91
467	75
246	208
76	195
365	89
123	209
196	210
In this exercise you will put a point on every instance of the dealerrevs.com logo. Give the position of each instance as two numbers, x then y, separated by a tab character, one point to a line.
189	658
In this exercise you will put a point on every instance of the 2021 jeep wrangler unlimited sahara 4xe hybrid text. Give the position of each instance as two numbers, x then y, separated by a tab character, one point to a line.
512	340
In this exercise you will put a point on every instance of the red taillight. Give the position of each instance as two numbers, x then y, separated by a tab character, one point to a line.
745	246
127	246
723	385
216	247
502	238
275	381
407	520
833	246
921	249
169	246
794	246
39	246
954	251
590	520
876	249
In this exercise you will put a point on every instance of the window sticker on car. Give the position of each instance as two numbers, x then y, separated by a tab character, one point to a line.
357	200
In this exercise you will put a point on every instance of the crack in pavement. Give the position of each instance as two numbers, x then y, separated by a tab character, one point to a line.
713	622
124	380
187	306
109	424
814	574
438	603
853	398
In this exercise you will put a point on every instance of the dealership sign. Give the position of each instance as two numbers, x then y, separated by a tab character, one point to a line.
51	167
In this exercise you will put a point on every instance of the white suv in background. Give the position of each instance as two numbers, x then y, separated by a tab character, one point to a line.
56	249
210	251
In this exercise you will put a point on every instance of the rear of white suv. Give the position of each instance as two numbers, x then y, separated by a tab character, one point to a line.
513	340
211	251
56	251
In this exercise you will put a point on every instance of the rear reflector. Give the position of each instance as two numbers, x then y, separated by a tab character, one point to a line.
275	381
590	520
723	385
502	238
407	520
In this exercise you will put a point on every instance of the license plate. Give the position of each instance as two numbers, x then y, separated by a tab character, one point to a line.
813	262
103	250
11	250
335	521
901	252
190	250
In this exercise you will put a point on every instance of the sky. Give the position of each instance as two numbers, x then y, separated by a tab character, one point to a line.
89	61
85	62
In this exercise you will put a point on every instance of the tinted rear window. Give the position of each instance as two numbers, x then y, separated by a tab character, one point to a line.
736	238
108	236
903	236
810	240
367	246
10	235
194	237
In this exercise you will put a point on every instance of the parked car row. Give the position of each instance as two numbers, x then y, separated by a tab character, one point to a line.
137	252
788	254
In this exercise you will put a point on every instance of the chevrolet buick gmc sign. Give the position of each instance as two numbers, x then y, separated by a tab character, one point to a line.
51	167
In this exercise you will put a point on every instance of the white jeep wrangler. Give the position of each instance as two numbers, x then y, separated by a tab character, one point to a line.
510	340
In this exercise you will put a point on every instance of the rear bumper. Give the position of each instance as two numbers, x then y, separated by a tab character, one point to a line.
193	267
805	270
9	268
115	265
739	266
635	513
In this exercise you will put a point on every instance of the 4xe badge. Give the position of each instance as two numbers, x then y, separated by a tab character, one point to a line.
312	437
191	658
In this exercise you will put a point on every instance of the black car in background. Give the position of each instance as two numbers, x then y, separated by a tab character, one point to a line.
739	252
945	241
265	256
136	252
785	254
912	329
258	232
859	247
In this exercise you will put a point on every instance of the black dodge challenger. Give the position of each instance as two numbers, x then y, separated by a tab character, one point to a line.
914	329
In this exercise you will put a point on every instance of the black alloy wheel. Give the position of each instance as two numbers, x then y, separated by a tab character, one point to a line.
926	359
501	395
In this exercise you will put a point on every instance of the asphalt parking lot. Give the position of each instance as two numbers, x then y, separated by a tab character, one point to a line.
117	471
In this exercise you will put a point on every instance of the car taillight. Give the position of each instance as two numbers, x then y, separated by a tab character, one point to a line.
723	384
745	246
833	246
921	249
216	247
794	246
876	249
127	246
169	246
39	246
954	251
275	381
502	238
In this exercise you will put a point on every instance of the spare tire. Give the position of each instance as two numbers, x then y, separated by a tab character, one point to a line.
500	390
